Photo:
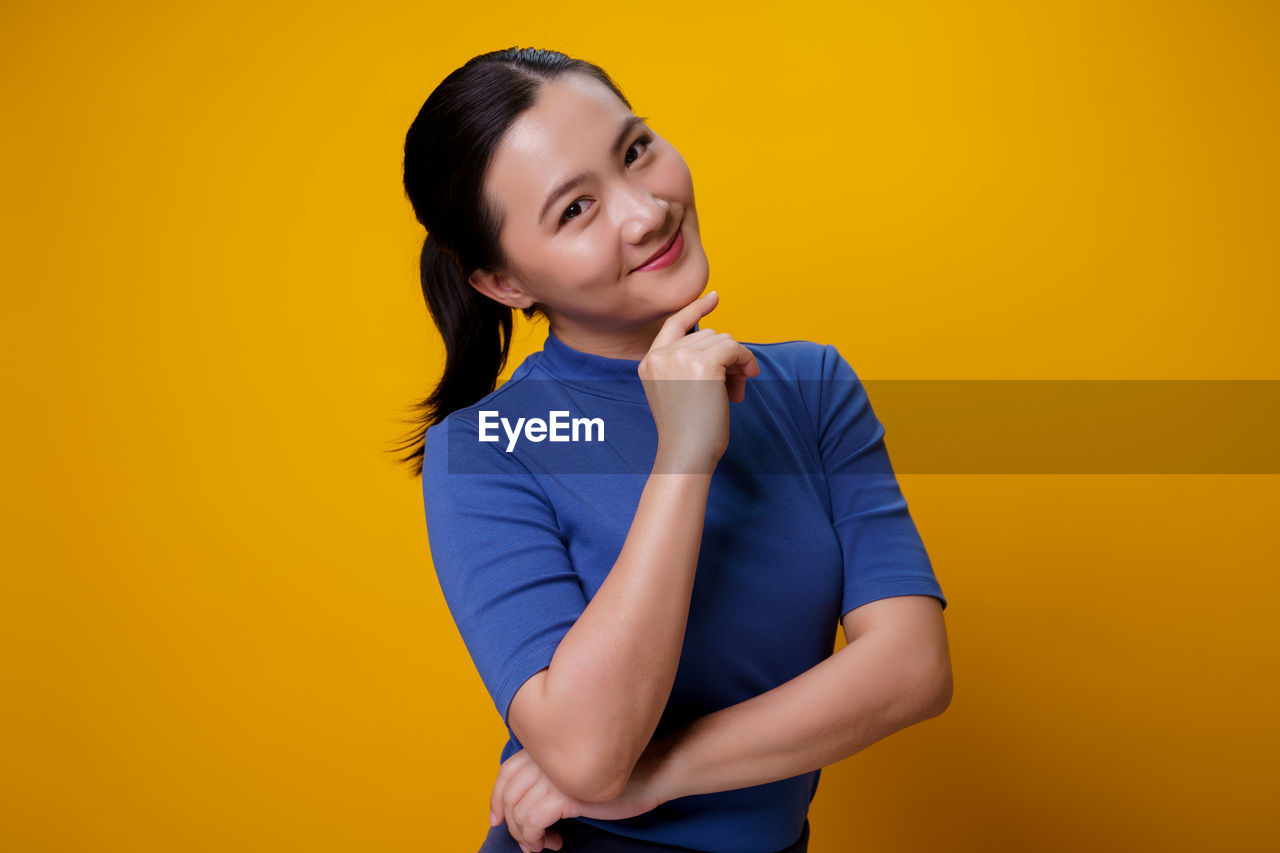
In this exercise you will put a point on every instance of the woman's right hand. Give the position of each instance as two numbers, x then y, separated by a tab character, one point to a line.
530	802
692	417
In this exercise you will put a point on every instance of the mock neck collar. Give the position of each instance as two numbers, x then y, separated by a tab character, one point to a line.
610	377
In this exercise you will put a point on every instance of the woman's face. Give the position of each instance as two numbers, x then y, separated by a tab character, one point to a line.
588	195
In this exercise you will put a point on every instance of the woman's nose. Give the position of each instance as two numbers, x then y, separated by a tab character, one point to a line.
644	214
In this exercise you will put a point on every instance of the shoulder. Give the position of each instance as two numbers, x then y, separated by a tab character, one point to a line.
815	379
453	439
799	359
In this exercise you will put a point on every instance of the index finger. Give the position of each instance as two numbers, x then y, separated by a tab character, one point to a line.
744	363
682	321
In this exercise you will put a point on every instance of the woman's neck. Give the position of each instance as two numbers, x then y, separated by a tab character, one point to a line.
631	345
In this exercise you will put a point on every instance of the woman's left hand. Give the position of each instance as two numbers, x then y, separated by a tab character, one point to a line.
530	802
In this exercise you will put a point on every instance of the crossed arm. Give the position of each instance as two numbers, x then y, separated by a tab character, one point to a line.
895	671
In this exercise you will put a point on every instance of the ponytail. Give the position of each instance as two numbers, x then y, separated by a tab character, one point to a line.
477	338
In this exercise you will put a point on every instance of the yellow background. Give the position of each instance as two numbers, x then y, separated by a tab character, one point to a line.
219	624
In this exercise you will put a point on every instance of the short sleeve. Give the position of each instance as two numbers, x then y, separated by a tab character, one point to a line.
499	557
884	555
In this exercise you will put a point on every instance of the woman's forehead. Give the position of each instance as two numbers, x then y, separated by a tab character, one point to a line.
565	109
570	129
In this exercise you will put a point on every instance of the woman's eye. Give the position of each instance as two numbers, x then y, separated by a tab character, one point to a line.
573	211
576	209
643	140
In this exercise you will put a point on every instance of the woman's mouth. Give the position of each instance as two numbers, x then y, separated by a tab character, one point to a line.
668	255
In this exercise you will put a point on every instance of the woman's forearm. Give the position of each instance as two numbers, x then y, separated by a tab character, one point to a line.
588	717
867	690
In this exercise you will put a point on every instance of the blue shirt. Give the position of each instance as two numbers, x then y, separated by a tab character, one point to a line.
805	521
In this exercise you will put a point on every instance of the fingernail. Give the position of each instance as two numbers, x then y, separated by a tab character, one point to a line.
493	819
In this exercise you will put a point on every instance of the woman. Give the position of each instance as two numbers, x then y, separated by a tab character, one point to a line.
651	600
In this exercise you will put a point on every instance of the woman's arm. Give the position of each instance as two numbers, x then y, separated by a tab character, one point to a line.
587	718
895	671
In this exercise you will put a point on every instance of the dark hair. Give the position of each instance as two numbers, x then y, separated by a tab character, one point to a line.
446	154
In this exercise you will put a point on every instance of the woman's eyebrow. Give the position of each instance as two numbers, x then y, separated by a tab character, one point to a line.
565	186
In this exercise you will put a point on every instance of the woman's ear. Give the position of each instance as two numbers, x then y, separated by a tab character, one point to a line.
500	288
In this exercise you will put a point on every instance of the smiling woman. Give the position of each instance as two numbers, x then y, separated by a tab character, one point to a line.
611	198
657	636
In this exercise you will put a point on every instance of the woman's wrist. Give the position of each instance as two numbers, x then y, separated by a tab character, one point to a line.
694	463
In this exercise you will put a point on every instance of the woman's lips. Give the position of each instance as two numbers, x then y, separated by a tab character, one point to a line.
669	256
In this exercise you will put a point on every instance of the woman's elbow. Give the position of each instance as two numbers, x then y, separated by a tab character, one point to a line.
935	688
584	769
930	663
924	676
583	758
602	791
592	781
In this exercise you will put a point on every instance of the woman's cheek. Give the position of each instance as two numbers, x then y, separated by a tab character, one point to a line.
594	263
677	178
